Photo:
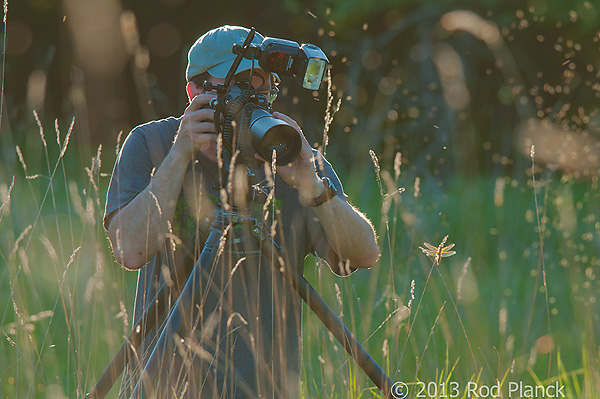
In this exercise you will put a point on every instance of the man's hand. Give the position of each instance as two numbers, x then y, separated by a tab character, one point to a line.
197	130
301	173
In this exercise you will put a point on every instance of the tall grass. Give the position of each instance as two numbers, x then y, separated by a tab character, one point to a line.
64	302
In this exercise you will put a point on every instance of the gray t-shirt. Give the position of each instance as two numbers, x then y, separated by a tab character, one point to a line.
247	335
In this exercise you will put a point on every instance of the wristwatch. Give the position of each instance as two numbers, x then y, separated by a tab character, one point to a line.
328	194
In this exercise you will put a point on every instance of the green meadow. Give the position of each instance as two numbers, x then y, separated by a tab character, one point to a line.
468	123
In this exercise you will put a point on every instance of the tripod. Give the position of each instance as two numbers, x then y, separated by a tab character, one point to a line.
179	315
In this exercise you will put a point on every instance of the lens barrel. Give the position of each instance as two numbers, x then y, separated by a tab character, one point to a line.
269	133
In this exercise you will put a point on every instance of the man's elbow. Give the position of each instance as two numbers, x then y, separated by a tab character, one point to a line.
125	253
367	257
131	261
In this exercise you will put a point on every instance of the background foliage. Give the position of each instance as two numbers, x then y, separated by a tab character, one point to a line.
461	89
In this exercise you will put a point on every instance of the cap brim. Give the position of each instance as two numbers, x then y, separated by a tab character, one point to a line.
220	70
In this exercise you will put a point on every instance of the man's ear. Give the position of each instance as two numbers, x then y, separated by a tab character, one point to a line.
192	90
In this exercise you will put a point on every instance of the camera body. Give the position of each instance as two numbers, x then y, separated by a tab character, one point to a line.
258	130
249	125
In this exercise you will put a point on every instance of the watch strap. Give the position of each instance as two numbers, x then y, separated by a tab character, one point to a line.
329	193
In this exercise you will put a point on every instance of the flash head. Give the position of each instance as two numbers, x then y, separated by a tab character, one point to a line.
306	62
313	63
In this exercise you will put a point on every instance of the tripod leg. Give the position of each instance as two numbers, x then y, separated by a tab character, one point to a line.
140	330
331	321
343	335
180	310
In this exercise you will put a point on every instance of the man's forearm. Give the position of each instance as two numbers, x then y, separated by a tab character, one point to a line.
349	233
138	230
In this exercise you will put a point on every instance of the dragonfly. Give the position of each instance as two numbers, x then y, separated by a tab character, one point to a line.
437	253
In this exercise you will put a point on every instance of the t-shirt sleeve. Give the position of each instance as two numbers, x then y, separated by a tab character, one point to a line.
317	240
131	174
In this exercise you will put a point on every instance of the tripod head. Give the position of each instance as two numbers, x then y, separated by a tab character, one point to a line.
240	190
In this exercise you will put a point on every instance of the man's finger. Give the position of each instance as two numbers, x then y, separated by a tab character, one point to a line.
257	156
206	128
287	119
200	101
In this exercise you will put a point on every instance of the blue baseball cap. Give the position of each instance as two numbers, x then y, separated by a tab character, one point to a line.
212	52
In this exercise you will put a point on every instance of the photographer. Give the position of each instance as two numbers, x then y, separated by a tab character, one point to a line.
245	336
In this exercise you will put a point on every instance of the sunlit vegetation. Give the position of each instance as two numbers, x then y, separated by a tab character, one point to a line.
478	121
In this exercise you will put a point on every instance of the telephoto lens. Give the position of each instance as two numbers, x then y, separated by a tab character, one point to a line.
271	134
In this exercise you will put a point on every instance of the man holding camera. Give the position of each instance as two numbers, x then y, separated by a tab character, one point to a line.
243	338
